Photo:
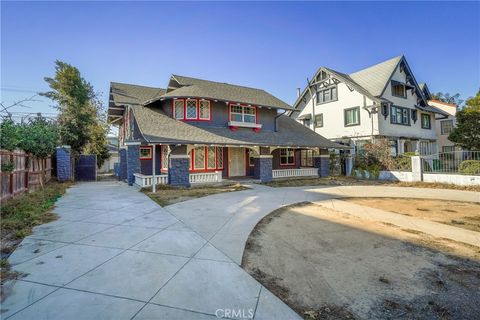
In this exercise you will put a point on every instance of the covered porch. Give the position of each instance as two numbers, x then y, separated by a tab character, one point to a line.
186	165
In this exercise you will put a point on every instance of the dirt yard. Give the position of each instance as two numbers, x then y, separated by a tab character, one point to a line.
327	264
167	195
460	214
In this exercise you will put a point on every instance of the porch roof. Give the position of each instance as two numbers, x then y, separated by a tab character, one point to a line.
157	127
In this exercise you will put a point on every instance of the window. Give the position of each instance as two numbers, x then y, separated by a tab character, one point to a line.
191	108
206	158
204	110
446	126
319	120
327	95
146	153
287	157
164	157
306	158
241	113
352	116
426	121
448	148
211	156
399	115
178	109
199	158
399	90
306	122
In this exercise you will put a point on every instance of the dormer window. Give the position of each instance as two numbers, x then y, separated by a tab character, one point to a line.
239	113
191	109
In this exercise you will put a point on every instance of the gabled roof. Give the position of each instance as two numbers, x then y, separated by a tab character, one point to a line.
371	81
156	127
187	87
124	93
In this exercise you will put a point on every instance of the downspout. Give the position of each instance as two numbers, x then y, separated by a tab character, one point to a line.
275	120
313	104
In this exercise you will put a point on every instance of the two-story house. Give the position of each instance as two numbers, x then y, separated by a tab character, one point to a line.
381	101
198	126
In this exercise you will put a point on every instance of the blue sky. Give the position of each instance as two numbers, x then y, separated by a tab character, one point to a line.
273	46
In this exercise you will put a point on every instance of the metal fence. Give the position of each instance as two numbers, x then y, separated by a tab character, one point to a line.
21	172
457	162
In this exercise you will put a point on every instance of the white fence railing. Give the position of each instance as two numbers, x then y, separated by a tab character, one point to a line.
286	173
145	181
204	177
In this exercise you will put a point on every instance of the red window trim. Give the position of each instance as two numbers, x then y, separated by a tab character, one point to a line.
185	119
289	164
151	152
230	104
205	160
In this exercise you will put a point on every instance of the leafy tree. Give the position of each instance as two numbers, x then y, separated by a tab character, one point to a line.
9	138
81	115
38	137
448	98
467	132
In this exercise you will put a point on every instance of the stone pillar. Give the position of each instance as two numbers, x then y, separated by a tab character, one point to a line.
417	174
178	167
64	163
263	168
322	162
133	160
123	164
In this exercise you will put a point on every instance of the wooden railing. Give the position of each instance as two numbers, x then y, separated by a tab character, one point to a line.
286	173
25	173
204	177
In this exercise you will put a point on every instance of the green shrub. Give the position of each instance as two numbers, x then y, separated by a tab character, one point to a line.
470	167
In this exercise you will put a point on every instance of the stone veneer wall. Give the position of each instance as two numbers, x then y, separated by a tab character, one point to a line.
322	162
263	168
133	162
123	164
178	173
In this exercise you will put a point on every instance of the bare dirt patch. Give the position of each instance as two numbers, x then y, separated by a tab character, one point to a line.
459	214
327	264
167	195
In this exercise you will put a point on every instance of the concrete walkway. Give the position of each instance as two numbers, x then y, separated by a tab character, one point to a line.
115	254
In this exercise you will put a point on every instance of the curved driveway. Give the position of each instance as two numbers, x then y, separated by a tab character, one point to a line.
115	254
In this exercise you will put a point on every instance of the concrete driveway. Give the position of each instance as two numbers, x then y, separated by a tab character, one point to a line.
115	254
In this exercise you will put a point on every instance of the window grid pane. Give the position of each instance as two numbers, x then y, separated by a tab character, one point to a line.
220	157
204	109
191	109
164	157
211	157
178	104
199	161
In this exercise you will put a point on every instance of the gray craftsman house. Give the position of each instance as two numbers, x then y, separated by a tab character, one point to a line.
203	131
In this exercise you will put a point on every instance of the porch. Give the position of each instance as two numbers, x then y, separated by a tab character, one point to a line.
185	165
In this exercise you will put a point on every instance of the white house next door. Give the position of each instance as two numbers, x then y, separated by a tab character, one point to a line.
236	162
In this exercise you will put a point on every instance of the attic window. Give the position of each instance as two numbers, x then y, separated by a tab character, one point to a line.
399	90
327	95
191	109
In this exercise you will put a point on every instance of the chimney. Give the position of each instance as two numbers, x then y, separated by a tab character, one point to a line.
298	92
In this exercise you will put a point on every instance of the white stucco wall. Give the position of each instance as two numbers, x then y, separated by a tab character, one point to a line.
450	109
457	179
333	115
415	130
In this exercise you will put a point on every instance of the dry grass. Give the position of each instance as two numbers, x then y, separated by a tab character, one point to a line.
464	215
22	213
351	181
167	195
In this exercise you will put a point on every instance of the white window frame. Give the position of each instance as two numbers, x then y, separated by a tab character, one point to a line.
243	113
287	156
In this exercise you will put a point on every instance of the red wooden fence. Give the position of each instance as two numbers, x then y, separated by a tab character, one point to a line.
26	174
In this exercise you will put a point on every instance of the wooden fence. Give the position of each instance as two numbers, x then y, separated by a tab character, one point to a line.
21	172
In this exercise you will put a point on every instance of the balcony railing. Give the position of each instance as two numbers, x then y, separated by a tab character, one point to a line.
286	173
